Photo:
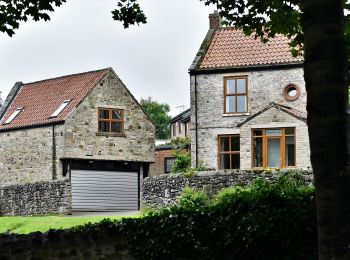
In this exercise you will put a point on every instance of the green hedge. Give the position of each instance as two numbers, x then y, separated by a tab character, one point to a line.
262	221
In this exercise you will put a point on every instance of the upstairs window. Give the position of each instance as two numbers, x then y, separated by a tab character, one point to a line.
110	120
235	94
174	129
229	152
60	108
14	114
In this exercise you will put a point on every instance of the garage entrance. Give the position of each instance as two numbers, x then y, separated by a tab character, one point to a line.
104	186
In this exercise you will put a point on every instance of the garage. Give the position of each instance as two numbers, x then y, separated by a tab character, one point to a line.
104	186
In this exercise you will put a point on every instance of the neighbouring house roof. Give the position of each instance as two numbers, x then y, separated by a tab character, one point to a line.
39	100
225	48
301	115
182	117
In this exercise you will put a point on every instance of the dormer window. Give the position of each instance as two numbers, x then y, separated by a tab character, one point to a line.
14	114
60	108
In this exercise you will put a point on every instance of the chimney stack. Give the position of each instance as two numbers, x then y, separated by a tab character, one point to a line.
214	20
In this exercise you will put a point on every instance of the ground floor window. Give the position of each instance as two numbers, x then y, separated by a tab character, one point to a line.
229	155
168	164
273	147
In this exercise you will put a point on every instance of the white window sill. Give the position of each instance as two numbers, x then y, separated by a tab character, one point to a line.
236	114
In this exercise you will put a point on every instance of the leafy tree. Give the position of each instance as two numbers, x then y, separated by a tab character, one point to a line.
319	30
159	114
12	12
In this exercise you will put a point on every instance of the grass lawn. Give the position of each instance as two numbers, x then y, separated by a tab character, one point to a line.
25	225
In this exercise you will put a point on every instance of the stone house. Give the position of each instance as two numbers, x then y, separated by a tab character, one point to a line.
180	124
248	103
86	128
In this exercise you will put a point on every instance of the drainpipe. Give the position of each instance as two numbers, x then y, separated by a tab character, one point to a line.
195	113
54	177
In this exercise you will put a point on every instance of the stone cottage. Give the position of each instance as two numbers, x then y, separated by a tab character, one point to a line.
248	102
86	128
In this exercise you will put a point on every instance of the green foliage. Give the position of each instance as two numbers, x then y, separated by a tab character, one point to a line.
181	142
13	12
129	12
182	161
191	199
158	112
261	221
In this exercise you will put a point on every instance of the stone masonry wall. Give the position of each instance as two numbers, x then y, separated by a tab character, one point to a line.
26	155
264	87
36	199
163	190
82	139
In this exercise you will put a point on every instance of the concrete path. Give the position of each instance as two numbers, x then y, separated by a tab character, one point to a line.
107	214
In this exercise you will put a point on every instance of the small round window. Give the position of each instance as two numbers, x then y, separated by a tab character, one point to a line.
291	92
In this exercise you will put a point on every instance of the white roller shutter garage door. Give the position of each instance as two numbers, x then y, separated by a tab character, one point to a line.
104	190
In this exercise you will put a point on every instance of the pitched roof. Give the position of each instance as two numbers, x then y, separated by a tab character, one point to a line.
231	48
40	99
184	116
301	115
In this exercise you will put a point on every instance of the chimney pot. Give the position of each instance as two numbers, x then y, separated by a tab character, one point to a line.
214	20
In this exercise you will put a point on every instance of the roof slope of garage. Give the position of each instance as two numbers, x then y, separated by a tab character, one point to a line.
39	100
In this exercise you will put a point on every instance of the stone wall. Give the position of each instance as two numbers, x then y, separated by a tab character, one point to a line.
264	86
26	155
108	244
82	139
40	198
162	191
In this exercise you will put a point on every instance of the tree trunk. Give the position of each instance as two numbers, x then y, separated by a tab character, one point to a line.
326	85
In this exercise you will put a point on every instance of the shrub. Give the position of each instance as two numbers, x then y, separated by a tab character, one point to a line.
182	161
260	221
191	199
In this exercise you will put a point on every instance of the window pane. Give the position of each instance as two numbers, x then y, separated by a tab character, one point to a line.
104	114
117	114
241	104
235	143
230	86
289	131
258	152
241	86
274	152
230	104
274	132
117	127
225	161
257	132
103	126
290	151
235	161
224	144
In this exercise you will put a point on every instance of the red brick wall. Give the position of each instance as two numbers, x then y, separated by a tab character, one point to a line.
158	167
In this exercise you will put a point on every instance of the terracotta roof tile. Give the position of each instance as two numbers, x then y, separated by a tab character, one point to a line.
40	99
230	47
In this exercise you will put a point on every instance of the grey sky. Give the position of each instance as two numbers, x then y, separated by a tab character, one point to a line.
152	59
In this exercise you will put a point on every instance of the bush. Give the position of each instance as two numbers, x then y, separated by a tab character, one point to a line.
261	221
191	199
182	161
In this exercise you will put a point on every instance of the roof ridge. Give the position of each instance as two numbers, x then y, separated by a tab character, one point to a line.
66	76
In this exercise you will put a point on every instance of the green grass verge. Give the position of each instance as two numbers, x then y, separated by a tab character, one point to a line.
26	225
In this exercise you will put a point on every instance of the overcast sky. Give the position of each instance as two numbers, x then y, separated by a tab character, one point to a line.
151	59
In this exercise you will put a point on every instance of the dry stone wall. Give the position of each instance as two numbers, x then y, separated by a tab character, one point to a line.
163	190
36	199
